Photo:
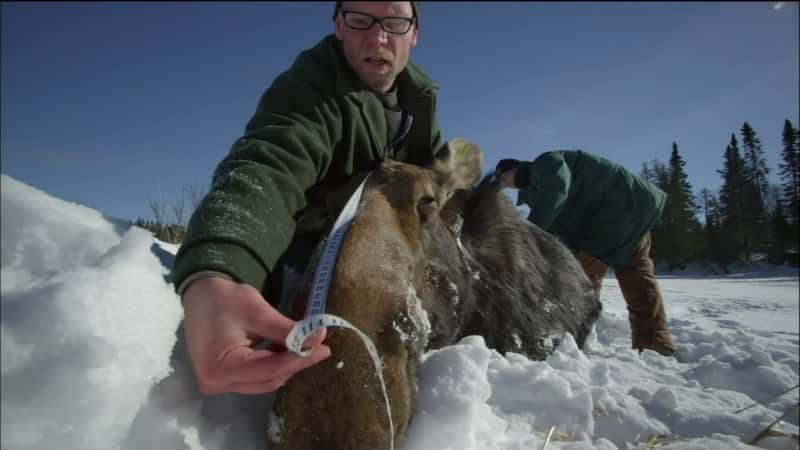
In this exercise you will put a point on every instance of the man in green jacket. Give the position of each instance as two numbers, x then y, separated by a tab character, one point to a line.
604	213
344	105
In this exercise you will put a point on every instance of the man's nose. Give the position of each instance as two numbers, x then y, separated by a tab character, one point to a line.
377	34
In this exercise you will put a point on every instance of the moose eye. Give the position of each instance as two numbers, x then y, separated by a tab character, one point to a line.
426	207
426	200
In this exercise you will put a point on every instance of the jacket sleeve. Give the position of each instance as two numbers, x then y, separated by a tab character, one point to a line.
246	221
546	181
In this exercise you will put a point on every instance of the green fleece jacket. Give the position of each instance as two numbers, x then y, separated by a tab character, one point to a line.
314	127
591	203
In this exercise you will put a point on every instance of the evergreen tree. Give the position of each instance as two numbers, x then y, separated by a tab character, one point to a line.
756	163
656	172
684	204
709	221
679	210
715	242
647	172
757	189
732	200
789	170
706	196
779	231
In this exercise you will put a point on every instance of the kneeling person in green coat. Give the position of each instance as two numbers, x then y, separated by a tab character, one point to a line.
604	213
344	105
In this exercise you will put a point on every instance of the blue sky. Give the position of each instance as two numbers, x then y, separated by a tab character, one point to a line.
113	105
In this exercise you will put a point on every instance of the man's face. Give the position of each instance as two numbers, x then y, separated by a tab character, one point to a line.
507	178
375	55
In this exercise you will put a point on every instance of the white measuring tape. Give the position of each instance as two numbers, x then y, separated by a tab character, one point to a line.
315	316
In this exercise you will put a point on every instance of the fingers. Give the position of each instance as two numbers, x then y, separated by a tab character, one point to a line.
249	371
268	322
222	321
312	341
264	320
315	339
257	366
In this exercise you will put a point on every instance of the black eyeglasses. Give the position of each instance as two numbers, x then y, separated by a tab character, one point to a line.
393	25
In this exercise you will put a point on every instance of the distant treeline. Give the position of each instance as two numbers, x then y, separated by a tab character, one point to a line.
169	219
746	219
171	232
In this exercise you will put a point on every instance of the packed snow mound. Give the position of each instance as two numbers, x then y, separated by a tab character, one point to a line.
88	323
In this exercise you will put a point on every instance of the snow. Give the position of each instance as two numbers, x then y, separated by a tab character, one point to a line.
92	358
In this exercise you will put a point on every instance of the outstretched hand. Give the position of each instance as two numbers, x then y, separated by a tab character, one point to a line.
223	321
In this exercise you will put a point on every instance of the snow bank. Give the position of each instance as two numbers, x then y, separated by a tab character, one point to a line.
88	323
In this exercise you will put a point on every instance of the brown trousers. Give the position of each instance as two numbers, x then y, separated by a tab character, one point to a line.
640	289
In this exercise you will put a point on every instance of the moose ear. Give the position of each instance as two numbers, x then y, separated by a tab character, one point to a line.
459	163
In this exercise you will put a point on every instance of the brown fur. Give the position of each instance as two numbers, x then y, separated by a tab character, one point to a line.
407	251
